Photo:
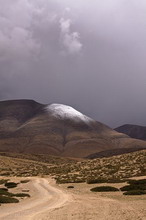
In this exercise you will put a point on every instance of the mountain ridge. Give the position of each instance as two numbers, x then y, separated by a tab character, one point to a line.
56	129
134	131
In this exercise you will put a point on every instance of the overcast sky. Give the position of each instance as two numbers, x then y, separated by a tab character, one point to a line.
90	54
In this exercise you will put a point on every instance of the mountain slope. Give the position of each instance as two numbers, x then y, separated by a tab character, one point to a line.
134	131
29	127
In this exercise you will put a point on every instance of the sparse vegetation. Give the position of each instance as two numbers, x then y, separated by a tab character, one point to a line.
11	185
9	197
21	195
6	193
6	199
93	181
70	187
3	181
135	187
4	189
104	189
114	169
137	182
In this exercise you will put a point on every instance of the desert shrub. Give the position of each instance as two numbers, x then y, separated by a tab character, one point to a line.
137	182
6	193
21	195
70	187
116	181
62	181
78	181
93	181
69	179
4	189
135	192
6	174
24	181
6	199
133	187
11	184
104	189
3	181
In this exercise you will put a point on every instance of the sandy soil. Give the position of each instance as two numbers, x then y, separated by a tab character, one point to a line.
51	202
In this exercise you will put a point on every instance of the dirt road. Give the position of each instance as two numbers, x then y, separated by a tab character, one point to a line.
50	202
46	197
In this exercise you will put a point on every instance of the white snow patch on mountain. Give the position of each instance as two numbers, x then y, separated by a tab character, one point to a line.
67	112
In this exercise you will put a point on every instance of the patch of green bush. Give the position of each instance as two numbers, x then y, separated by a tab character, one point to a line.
104	189
135	192
6	199
11	185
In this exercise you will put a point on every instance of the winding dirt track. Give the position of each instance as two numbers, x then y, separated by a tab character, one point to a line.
46	198
47	202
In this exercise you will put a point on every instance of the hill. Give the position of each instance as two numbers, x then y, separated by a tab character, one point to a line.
113	169
134	131
65	170
29	127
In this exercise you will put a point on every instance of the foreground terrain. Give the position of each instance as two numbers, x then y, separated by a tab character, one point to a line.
50	201
70	196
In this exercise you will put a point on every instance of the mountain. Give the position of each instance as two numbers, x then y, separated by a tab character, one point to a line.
134	131
29	127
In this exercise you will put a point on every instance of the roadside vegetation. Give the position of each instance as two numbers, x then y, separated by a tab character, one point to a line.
104	189
134	187
9	197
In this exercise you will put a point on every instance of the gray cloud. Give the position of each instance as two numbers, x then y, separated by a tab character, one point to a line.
71	41
88	55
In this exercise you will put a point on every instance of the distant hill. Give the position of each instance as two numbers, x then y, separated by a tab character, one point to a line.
113	152
55	129
134	131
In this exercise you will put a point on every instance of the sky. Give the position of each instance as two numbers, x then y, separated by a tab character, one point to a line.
89	54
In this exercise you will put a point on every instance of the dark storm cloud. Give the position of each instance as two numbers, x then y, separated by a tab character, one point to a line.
90	55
